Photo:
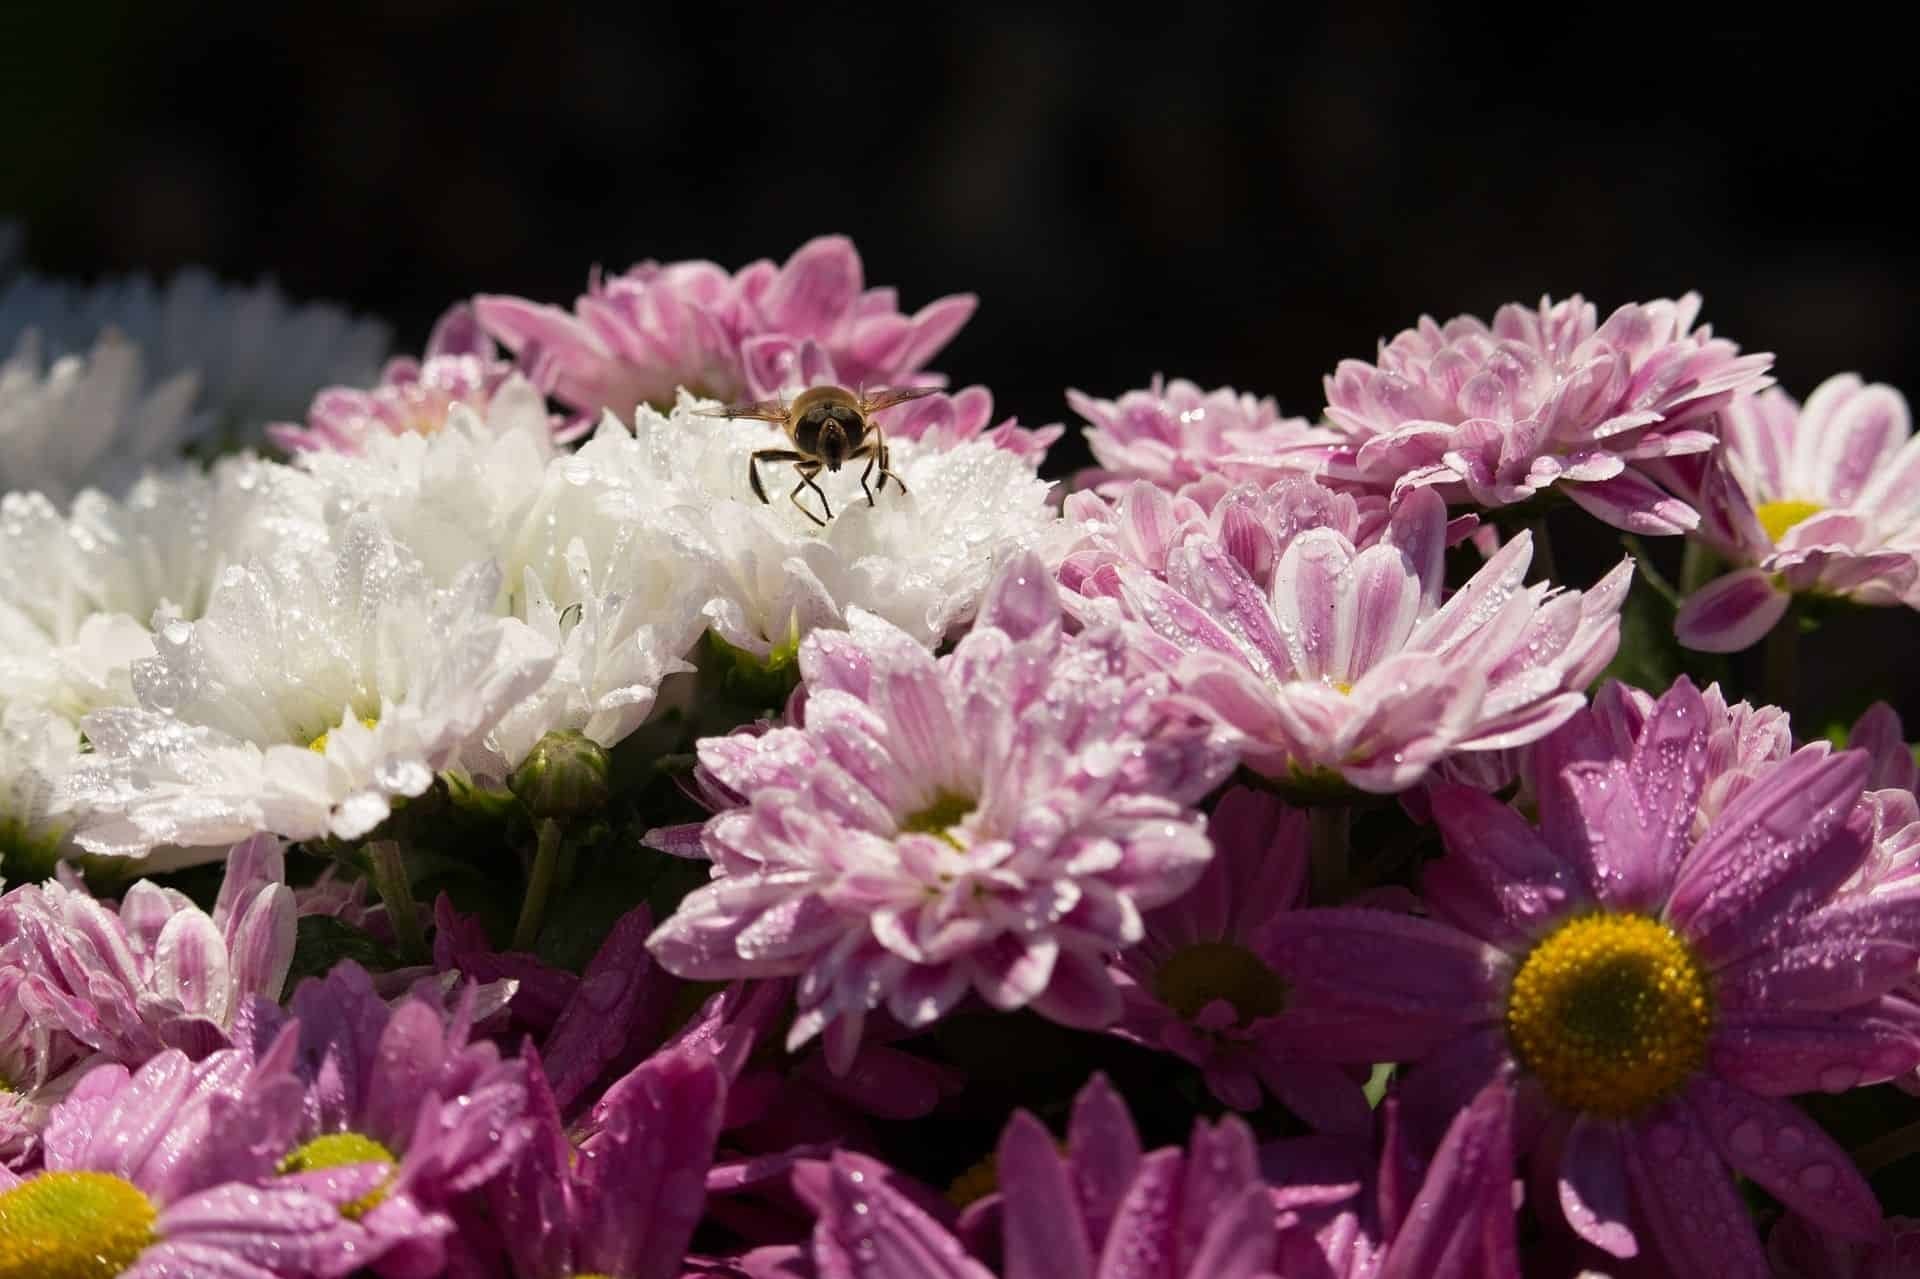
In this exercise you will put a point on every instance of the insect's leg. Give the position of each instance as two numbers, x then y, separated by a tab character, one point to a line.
886	464
766	455
872	455
807	471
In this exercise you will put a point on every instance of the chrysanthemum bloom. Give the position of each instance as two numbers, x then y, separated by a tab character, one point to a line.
1799	1251
148	1177
37	748
1347	1213
316	689
84	983
460	366
950	418
638	338
994	820
255	356
1350	667
86	419
1542	399
1815	500
1201	984
1103	1211
1173	434
626	1200
918	558
1654	995
403	1113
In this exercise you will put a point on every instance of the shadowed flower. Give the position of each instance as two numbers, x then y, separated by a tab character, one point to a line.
1349	667
638	338
1203	985
1800	1251
992	821
154	1176
1816	500
1654	994
1542	399
1173	434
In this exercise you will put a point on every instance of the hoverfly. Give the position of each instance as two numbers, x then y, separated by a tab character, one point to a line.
829	426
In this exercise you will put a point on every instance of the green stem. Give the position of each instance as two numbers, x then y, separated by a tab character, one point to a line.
533	910
1887	1150
390	880
1698	566
1330	834
1782	677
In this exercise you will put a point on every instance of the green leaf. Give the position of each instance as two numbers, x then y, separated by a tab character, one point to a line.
321	941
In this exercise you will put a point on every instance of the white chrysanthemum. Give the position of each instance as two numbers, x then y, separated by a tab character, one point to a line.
79	591
618	599
37	751
317	688
86	419
258	356
918	558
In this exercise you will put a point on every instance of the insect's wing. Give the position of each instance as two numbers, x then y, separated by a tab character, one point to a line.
898	395
757	410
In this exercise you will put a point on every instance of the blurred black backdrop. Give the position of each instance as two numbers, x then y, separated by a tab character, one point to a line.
1234	194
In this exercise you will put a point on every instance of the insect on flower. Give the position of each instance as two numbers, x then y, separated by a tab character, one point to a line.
829	426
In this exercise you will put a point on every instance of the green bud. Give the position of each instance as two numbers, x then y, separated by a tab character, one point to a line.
564	775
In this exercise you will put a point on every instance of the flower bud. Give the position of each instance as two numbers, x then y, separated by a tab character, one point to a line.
564	775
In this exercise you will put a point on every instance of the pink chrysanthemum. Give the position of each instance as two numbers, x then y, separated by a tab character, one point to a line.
1104	1210
1349	666
1816	500
461	367
639	337
1541	399
1654	995
994	820
1202	984
149	1177
944	420
1173	434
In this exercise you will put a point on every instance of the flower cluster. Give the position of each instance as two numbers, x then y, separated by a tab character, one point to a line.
502	837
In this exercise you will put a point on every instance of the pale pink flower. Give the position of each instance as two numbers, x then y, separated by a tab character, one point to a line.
1173	434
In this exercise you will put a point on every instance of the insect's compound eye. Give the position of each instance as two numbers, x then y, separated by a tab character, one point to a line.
806	431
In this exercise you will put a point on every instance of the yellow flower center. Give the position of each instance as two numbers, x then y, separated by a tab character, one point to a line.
940	817
73	1225
976	1183
320	743
338	1150
1777	517
1611	1012
1197	975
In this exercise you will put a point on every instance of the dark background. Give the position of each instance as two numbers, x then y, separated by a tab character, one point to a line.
1233	195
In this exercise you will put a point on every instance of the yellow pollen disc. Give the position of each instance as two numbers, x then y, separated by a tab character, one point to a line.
1340	686
1777	517
940	817
320	743
976	1183
1611	1012
73	1225
1197	975
337	1150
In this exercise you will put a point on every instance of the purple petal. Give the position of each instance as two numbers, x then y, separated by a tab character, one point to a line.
1685	1194
1855	431
1778	1146
1594	1194
1499	880
1307	597
643	1176
1220	1164
1731	612
1778	1054
871	1230
600	1018
1635	503
1638	815
1044	1236
1461	1222
1103	1152
1141	1242
1240	1241
1021	599
815	288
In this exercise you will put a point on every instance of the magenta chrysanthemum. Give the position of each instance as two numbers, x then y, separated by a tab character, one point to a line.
948	419
639	337
154	1176
1203	985
1173	434
1542	398
1656	995
992	821
1822	500
1347	665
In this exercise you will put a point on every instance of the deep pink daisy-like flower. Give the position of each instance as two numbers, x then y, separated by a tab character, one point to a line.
1816	500
637	338
1348	665
1173	434
947	419
461	366
1103	1210
1202	983
1349	1212
625	1200
991	821
150	1176
1542	398
1654	994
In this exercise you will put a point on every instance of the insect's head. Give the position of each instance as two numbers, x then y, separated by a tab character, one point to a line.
829	432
